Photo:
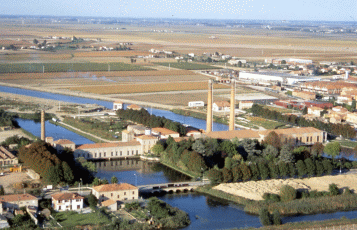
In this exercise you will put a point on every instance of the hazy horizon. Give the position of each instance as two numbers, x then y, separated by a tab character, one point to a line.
303	10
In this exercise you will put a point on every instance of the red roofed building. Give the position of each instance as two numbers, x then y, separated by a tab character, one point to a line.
134	107
164	133
221	106
17	201
116	192
67	201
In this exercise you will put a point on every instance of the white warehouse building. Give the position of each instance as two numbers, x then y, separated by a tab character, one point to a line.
275	77
196	104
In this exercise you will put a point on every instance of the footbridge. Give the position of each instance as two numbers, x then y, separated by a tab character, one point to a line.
185	186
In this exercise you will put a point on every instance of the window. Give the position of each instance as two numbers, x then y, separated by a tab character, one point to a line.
59	207
137	152
133	198
100	154
118	196
124	193
297	140
78	206
121	153
318	138
105	154
116	153
95	155
300	139
133	192
311	139
307	139
112	153
111	194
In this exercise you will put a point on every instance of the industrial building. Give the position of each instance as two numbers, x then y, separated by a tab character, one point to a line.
275	77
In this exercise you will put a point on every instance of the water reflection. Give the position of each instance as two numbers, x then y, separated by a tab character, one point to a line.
136	171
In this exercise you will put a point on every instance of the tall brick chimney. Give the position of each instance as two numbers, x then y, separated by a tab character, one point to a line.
232	106
43	136
209	107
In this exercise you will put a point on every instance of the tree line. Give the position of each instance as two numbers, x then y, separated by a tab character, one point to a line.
143	117
52	167
344	130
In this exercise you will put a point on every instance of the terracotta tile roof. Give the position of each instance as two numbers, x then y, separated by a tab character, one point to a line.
17	197
146	137
63	142
164	131
67	196
240	134
114	187
108	202
178	139
5	154
291	131
315	108
133	106
222	104
108	145
118	102
245	101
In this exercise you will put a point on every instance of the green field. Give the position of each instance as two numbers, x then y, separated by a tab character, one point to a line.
68	67
68	219
186	65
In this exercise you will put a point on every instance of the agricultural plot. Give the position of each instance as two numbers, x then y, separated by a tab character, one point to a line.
187	65
143	88
67	67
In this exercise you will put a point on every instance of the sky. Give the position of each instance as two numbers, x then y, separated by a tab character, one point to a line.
326	10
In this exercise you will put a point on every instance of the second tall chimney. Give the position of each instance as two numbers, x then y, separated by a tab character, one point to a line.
43	136
232	106
209	107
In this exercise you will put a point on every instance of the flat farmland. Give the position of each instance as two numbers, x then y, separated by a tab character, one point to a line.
67	67
187	65
175	99
124	53
144	88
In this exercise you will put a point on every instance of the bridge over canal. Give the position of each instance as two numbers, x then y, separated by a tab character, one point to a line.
172	187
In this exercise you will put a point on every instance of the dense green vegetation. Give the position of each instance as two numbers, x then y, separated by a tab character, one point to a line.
344	130
7	119
53	167
67	67
72	218
20	141
110	130
143	117
187	65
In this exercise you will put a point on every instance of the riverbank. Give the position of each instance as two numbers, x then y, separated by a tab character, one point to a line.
198	115
189	174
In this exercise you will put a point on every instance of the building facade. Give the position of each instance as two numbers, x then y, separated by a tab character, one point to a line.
67	201
16	201
116	192
7	158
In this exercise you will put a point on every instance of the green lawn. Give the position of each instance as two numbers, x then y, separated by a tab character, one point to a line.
187	65
347	143
67	219
67	67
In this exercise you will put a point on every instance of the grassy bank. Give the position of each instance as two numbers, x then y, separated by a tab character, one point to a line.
295	207
199	115
344	223
79	133
29	134
187	173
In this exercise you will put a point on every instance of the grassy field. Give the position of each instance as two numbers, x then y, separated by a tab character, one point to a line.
347	143
142	88
267	124
66	67
187	65
68	219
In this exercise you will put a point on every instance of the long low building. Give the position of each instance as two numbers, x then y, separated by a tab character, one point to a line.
7	158
275	77
300	135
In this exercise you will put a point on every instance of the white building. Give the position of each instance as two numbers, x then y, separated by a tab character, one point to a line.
117	105
314	111
67	201
196	104
221	106
275	77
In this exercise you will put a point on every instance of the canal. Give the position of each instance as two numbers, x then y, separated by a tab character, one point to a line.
205	212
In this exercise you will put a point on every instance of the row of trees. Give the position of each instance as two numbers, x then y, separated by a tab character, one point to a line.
143	117
7	119
344	130
42	158
264	170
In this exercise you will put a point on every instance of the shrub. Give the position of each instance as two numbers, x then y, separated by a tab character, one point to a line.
327	166
275	197
266	196
301	168
264	171
287	193
264	217
319	168
347	191
276	218
333	189
283	169
354	164
348	165
305	194
310	167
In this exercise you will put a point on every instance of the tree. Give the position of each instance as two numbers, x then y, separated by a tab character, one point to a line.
264	217
96	181
274	170
270	153
228	163
247	174
273	139
332	149
114	180
215	176
104	181
286	154
67	173
283	62
157	149
333	189
2	191
228	148
283	169
304	111
264	171
319	168
199	146
301	168
287	193
310	167
237	173
92	200
276	218
35	41
317	149
255	171
327	166
227	175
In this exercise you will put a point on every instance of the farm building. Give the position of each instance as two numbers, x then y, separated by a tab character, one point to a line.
117	105
221	106
116	192
67	201
196	104
275	77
